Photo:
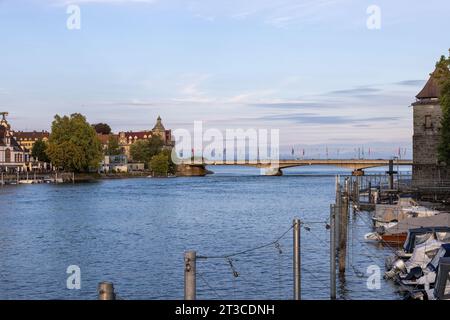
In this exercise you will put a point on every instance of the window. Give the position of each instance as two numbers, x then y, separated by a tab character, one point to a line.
7	155
428	123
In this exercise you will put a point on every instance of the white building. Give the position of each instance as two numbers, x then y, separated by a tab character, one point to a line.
13	157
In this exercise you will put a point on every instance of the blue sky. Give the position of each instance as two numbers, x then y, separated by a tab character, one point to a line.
310	68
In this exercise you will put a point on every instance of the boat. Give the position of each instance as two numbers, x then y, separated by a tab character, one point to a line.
416	237
406	208
26	181
395	233
426	246
441	290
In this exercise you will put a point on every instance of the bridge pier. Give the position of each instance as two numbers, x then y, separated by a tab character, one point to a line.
271	171
358	172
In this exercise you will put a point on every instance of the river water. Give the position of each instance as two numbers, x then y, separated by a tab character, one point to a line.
133	232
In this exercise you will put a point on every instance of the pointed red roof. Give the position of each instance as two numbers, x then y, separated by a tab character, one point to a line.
431	89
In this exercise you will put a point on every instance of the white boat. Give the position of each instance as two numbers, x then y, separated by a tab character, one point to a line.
26	181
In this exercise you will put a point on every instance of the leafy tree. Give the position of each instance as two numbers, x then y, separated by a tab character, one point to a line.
102	128
38	151
144	150
442	74
172	167
73	144
155	145
160	164
113	148
140	151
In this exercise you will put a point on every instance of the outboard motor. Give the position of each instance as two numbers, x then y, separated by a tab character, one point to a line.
397	267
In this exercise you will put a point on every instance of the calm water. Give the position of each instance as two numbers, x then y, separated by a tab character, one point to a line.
134	233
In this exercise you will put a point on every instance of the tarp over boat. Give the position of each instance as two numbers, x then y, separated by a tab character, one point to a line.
385	213
439	220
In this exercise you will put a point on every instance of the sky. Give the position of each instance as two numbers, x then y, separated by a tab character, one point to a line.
312	69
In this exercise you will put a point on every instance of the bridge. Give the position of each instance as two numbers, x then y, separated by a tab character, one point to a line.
274	168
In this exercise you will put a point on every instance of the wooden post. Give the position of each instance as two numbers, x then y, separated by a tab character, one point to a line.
338	206
343	221
106	291
190	282
370	192
332	252
3	180
296	260
73	177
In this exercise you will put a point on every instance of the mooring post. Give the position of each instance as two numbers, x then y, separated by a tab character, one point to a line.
338	205
106	291
190	282
296	260
343	221
3	181
73	177
18	177
332	252
370	192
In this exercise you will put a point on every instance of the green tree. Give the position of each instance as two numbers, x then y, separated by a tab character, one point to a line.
38	151
102	128
155	145
159	165
113	148
442	74
73	144
172	167
144	150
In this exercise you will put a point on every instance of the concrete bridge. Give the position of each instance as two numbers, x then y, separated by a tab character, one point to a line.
271	168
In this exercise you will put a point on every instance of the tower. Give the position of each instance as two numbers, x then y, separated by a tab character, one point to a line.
159	129
3	121
427	115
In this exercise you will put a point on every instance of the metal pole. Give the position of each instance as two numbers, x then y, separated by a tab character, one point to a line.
296	260
343	220
190	283
106	291
332	253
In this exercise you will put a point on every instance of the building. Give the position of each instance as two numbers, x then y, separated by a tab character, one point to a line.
427	115
119	164
13	157
28	139
126	139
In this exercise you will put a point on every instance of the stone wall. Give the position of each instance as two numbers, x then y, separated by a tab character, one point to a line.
427	124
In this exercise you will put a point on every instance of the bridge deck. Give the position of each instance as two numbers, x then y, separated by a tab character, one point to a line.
355	164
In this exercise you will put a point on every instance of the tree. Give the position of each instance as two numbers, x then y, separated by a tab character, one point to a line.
113	148
155	145
102	128
172	167
442	75
140	151
73	144
144	150
160	165
38	151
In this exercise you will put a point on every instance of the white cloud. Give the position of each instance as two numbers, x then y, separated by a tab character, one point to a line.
68	2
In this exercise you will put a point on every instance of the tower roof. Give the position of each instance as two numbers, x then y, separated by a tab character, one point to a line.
431	89
158	126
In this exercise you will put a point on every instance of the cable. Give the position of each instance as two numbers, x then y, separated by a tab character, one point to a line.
227	256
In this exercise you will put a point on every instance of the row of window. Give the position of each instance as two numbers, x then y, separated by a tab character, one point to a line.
18	157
